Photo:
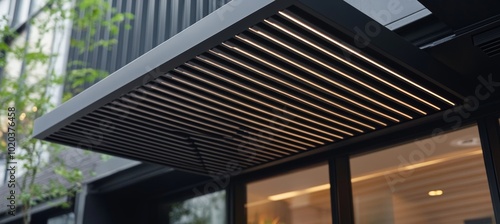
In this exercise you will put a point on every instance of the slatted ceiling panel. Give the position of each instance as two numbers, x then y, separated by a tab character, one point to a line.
283	86
148	156
307	25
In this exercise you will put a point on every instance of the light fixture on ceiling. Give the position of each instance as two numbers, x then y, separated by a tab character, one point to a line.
435	193
466	141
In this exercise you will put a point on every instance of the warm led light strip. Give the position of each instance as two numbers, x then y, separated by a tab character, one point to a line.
216	157
263	158
248	113
228	126
328	38
131	109
192	108
270	146
241	111
325	65
208	61
249	106
271	98
131	146
70	137
96	119
258	71
150	135
339	58
130	141
127	125
310	83
268	105
224	155
201	111
310	71
120	136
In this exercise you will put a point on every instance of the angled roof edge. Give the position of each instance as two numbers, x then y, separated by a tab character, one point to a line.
151	64
225	26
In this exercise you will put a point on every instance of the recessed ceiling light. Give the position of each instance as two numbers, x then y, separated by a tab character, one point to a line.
435	193
466	141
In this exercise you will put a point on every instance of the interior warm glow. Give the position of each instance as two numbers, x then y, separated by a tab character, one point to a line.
435	193
292	194
417	165
352	51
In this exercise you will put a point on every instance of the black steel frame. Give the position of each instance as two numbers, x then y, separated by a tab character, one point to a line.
338	154
486	118
186	45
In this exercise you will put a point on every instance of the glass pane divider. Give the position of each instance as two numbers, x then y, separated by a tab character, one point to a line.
489	133
341	190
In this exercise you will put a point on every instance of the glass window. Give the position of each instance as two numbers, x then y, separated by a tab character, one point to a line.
301	197
206	209
435	180
62	219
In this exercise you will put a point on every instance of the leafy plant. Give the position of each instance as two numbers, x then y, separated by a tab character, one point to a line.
29	90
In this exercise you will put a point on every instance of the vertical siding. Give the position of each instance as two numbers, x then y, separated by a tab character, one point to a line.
155	22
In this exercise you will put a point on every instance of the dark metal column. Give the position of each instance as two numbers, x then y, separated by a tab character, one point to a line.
489	132
235	201
341	192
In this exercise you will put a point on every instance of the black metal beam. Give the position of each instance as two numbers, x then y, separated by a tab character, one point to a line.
489	131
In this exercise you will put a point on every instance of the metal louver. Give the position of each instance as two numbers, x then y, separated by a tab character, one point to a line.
288	83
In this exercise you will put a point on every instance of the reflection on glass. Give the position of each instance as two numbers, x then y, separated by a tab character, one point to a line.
436	180
301	197
62	219
206	209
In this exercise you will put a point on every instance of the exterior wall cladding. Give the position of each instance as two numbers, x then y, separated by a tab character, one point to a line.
155	21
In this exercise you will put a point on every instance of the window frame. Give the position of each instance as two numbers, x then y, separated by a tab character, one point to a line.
338	155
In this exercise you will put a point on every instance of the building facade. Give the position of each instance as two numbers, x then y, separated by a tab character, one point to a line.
291	112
